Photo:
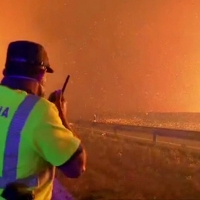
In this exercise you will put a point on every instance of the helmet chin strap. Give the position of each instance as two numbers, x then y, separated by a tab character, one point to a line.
30	85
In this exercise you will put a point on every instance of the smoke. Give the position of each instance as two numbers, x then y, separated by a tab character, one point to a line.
123	55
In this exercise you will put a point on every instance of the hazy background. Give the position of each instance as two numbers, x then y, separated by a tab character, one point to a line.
123	55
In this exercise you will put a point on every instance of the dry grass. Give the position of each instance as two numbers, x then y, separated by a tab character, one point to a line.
123	169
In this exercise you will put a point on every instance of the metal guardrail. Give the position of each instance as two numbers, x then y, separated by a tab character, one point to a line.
155	132
132	136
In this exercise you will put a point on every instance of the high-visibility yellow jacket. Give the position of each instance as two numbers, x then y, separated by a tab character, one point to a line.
32	141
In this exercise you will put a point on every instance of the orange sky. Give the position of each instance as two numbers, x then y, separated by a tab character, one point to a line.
123	55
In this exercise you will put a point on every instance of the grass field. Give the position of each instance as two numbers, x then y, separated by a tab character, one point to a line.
123	169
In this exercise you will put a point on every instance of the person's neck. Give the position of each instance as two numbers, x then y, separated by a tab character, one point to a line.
29	85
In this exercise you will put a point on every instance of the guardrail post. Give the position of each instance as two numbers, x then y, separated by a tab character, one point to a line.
154	138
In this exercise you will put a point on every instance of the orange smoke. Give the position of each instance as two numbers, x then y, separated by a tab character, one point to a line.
123	55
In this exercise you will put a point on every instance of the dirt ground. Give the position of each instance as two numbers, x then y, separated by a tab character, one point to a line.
124	169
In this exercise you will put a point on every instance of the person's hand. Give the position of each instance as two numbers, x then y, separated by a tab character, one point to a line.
57	98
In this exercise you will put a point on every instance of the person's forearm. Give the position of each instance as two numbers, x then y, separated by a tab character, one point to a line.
66	124
76	165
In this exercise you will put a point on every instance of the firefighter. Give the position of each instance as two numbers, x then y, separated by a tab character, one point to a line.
35	136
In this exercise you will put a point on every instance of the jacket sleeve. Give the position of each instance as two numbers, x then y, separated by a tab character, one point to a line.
52	140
